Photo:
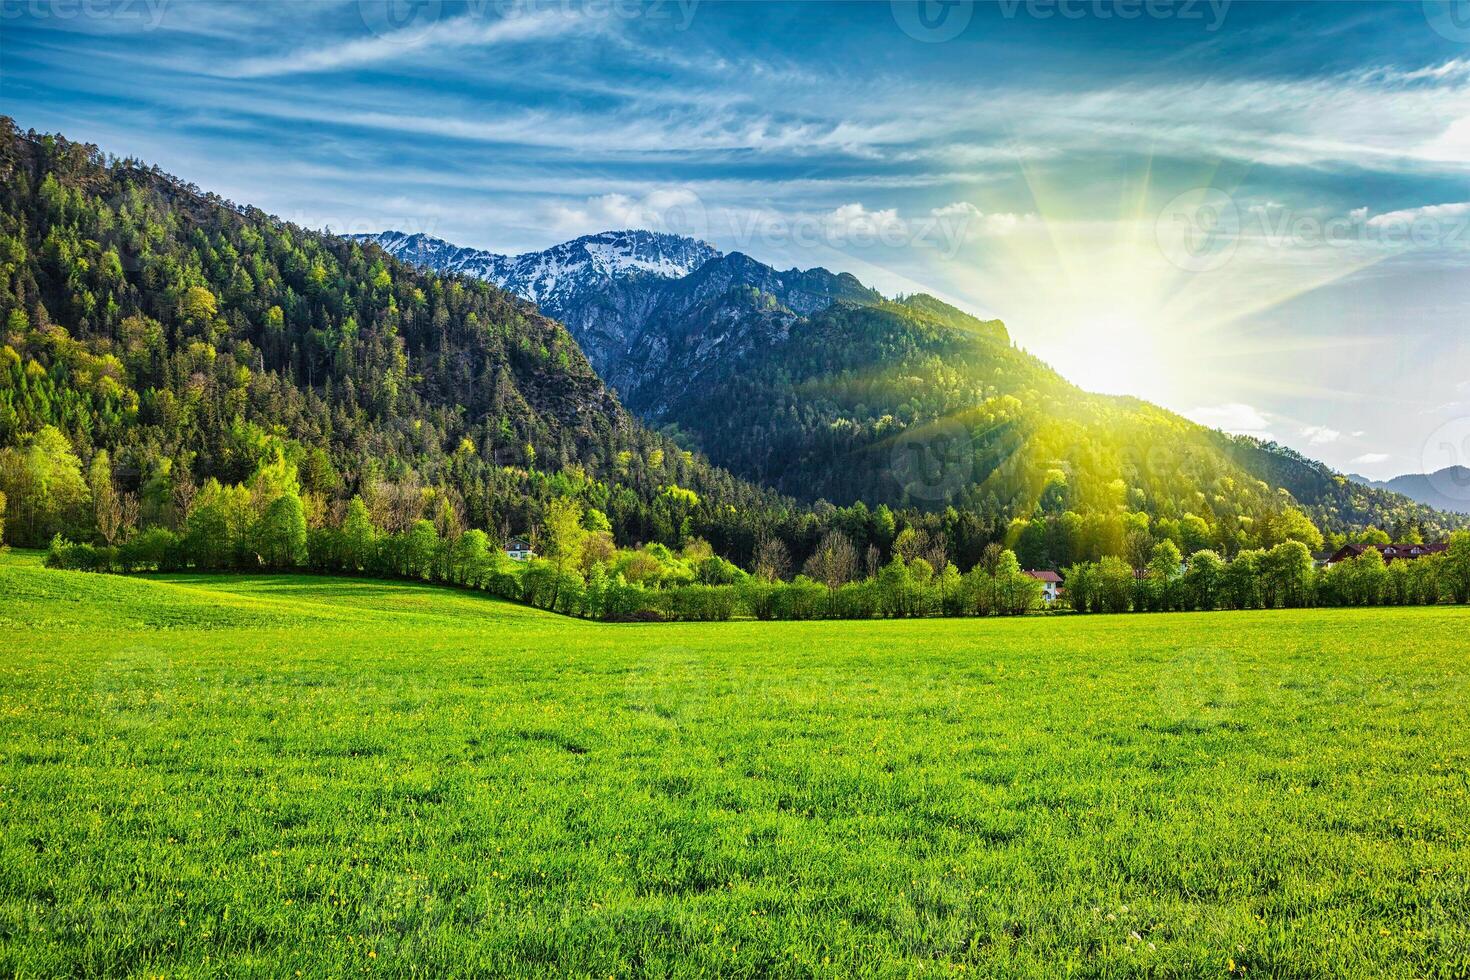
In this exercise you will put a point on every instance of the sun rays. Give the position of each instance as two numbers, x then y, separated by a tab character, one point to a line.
1149	282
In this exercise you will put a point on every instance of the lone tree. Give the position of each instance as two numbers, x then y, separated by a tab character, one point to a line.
772	560
563	536
105	507
281	533
358	536
835	562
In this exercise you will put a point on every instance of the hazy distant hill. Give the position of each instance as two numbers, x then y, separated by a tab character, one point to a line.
1447	489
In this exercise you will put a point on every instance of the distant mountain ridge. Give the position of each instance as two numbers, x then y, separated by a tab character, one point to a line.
543	276
1446	489
812	383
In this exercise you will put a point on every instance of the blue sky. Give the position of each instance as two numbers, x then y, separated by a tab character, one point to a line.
1257	214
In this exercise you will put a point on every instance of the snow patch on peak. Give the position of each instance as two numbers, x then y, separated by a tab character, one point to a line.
563	270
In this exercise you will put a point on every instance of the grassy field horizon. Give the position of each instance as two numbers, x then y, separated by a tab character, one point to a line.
211	775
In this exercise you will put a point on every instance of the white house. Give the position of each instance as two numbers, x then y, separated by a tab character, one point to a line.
519	549
1051	582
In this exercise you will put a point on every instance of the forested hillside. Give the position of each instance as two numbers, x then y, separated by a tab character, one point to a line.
182	338
917	404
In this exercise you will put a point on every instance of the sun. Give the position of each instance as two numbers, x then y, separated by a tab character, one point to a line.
1088	281
1114	354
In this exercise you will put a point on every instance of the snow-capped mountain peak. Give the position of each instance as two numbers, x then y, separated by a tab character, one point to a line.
619	252
562	270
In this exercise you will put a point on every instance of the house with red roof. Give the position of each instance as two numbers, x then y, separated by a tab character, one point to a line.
1051	583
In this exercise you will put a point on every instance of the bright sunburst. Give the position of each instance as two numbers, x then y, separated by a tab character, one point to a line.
1154	296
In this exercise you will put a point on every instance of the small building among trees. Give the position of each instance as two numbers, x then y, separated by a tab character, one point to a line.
519	549
1051	584
1390	552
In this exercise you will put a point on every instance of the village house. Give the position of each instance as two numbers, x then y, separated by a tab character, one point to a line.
1390	552
1051	584
519	549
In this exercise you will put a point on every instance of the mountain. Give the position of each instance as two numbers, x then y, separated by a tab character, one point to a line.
598	285
196	339
1446	489
812	383
643	304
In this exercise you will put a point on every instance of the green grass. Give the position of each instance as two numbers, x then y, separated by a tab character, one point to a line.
230	775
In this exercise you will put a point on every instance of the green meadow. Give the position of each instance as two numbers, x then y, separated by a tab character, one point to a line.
291	775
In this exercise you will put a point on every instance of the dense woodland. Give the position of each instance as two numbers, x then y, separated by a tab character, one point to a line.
195	340
223	390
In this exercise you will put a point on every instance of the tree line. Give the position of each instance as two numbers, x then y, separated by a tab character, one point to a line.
1285	576
263	525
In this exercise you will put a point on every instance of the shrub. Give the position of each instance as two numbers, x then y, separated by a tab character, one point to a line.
800	599
701	603
77	557
856	600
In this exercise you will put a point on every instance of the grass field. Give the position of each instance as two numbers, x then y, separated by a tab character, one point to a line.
224	775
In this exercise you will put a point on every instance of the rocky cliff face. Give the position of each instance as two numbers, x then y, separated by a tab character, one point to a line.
650	310
603	286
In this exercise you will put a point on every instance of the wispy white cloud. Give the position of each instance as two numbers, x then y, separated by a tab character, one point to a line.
1372	458
981	222
673	209
855	219
1454	213
439	38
